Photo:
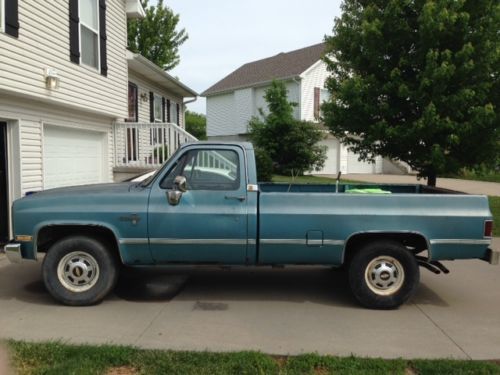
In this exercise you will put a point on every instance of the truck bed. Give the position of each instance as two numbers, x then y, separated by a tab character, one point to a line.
342	188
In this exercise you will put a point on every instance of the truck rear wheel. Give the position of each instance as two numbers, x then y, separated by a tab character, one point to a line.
383	275
79	271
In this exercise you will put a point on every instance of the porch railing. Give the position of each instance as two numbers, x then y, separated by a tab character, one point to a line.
147	145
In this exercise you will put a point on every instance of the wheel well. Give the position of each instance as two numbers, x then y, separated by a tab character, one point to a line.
49	235
416	243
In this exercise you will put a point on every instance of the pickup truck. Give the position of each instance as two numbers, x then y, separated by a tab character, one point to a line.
205	207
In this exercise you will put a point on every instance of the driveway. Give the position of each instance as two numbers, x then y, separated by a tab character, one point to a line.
467	186
282	311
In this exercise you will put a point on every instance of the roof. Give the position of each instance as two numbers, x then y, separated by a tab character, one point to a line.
282	66
153	72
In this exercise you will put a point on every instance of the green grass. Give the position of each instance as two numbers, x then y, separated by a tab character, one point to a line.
495	210
482	175
58	358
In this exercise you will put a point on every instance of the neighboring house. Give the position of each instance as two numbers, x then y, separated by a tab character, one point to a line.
233	101
64	89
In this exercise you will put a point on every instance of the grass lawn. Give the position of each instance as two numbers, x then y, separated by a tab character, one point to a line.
57	358
495	210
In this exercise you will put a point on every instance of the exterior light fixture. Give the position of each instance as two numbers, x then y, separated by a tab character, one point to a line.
144	97
51	79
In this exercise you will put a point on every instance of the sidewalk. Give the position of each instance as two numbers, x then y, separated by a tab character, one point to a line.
467	186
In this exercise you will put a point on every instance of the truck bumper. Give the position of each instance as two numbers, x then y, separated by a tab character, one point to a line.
13	252
493	257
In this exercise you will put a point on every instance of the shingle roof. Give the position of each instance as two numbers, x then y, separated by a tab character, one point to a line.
283	65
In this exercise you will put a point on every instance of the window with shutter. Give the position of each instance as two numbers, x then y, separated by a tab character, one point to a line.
9	18
88	40
316	102
133	103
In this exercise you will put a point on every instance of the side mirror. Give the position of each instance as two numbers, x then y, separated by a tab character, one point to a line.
180	183
180	186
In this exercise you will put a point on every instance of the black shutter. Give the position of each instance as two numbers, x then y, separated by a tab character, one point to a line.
151	106
168	110
178	113
103	37
11	18
163	109
74	33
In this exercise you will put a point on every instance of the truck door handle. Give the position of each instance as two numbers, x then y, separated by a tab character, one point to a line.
240	198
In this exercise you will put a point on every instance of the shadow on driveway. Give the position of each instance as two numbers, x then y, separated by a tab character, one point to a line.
317	285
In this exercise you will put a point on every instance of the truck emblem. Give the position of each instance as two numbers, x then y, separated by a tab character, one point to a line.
134	218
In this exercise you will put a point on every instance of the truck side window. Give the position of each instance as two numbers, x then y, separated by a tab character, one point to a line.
206	170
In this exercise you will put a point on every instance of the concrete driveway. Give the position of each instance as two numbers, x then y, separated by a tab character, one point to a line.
287	311
467	186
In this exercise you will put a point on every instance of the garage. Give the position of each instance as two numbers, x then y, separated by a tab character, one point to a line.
332	152
73	156
356	166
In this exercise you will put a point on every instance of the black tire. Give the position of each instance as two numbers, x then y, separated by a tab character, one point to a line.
79	256
375	275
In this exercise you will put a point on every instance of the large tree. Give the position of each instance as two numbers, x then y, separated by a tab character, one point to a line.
156	36
291	144
417	81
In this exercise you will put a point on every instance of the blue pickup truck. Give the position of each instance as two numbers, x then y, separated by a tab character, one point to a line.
205	207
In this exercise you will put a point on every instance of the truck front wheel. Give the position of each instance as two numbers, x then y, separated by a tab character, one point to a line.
79	271
383	275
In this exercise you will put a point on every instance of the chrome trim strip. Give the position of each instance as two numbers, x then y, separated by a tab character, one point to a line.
334	242
459	242
133	241
13	252
252	242
197	241
273	241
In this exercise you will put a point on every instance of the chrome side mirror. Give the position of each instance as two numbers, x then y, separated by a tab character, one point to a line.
174	197
180	183
180	186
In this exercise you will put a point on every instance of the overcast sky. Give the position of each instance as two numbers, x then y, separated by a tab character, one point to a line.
225	34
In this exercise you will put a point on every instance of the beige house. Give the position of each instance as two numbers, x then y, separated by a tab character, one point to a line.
66	100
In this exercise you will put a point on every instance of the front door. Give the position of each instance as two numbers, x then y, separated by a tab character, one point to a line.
209	224
4	197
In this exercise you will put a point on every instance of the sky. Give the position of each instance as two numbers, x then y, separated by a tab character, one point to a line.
225	34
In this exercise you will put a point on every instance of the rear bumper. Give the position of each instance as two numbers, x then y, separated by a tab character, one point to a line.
13	252
493	256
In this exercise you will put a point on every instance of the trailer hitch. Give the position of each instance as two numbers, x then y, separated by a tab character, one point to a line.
434	266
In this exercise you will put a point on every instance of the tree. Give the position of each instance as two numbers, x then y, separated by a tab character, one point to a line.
291	144
417	81
196	124
155	37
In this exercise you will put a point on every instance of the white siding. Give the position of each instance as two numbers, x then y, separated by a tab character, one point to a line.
144	87
313	77
44	43
293	90
243	109
30	118
220	115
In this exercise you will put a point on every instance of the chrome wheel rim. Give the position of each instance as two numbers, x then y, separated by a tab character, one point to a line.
384	275
78	271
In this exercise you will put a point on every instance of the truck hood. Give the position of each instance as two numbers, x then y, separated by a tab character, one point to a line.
95	189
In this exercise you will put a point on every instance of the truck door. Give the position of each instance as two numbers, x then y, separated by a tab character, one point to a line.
209	222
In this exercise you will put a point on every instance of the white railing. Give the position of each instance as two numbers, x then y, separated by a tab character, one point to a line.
147	145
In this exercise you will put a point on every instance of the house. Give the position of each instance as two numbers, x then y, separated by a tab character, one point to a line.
233	101
73	100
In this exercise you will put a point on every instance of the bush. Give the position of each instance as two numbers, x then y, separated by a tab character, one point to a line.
160	154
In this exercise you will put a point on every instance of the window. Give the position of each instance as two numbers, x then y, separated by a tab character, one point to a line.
206	170
89	32
158	108
133	110
320	96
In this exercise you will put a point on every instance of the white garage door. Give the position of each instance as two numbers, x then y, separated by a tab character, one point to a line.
72	157
331	163
356	166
